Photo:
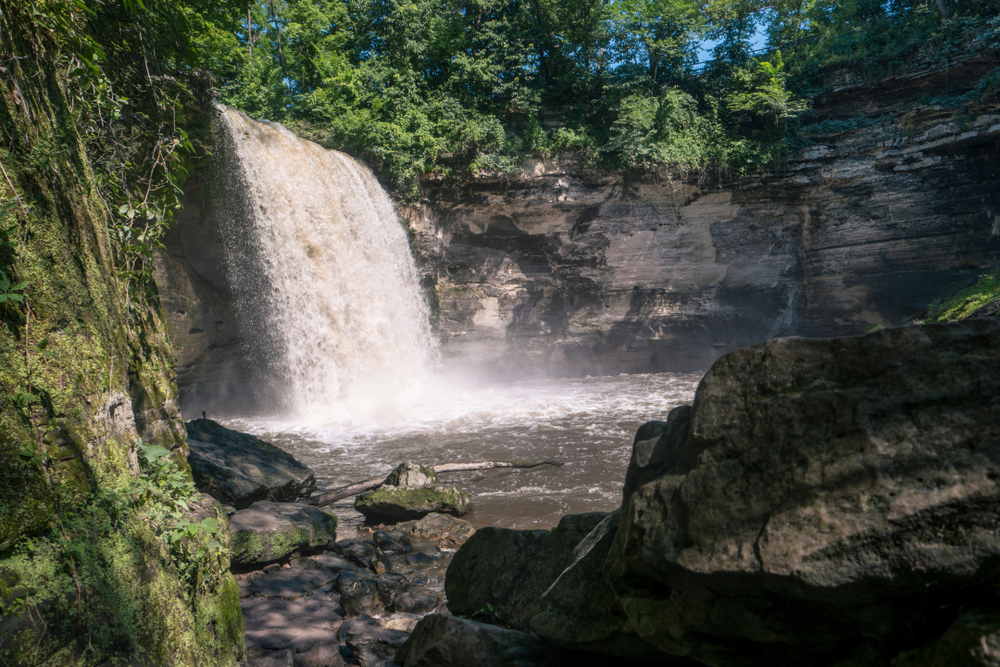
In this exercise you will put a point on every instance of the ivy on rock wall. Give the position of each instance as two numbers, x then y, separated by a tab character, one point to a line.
106	551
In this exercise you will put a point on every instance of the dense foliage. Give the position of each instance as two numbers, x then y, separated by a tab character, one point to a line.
435	86
419	87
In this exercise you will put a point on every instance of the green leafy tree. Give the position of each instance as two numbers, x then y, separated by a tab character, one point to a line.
761	93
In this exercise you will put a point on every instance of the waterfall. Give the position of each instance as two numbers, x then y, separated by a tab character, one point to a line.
329	302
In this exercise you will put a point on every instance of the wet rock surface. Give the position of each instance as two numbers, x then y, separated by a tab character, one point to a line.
239	469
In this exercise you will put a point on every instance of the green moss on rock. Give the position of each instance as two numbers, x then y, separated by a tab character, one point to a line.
86	579
400	503
268	531
970	302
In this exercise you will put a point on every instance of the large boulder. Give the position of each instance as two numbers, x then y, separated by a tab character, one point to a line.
508	570
822	502
828	499
240	469
270	531
411	492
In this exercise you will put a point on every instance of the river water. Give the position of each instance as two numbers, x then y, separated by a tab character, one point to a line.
586	423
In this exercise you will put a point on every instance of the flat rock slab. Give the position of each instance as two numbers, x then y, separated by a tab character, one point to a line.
372	643
321	655
277	623
285	658
327	561
291	583
447	531
268	531
240	469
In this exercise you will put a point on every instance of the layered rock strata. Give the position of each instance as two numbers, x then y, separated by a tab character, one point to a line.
562	270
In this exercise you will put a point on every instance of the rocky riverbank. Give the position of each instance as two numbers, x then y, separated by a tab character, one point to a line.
353	601
822	502
308	598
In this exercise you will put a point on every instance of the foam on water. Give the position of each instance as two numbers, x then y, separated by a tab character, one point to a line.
587	423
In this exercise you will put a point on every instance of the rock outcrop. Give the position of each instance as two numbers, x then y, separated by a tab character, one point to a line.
268	531
86	371
823	501
240	469
199	307
564	270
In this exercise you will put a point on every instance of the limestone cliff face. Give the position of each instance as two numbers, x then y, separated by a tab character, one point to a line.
565	271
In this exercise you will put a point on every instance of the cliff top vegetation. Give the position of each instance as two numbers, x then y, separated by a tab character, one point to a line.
453	87
420	87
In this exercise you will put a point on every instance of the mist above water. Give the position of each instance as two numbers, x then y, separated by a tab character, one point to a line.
343	360
586	423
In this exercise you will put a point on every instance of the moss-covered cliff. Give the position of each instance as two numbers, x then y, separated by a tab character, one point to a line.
97	560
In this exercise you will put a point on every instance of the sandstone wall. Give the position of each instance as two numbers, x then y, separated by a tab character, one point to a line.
565	271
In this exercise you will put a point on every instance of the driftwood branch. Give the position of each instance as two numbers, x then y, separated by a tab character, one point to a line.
357	488
486	465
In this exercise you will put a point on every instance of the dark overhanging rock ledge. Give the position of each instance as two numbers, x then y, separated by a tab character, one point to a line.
823	502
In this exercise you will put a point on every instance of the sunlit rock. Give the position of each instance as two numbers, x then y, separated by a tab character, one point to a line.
268	531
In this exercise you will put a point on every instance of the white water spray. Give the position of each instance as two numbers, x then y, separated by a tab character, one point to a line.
337	308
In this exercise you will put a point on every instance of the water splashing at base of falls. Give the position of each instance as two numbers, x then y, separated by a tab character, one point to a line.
330	306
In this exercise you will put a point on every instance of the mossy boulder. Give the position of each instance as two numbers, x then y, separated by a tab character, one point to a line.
400	503
269	531
240	469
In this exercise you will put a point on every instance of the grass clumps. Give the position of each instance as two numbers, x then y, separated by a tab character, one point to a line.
968	302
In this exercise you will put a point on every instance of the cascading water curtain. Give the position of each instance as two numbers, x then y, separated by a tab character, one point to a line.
325	282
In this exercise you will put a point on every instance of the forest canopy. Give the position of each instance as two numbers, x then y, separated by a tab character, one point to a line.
417	87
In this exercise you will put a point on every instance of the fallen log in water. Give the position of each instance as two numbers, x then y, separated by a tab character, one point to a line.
357	488
486	465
